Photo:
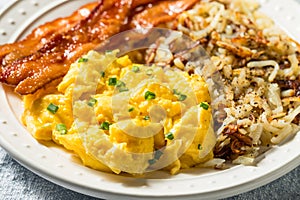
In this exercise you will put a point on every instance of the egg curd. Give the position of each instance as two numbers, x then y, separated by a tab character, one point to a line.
118	116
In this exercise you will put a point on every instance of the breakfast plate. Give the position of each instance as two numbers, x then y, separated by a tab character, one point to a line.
18	18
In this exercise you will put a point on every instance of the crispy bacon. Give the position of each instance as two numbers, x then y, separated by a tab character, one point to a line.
159	13
41	34
48	51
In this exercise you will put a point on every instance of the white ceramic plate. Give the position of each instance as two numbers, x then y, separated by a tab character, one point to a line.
61	167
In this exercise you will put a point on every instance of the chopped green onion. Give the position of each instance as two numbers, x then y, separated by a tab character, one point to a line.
82	60
182	97
176	92
131	109
169	136
135	69
105	125
199	146
112	81
149	95
123	89
158	154
62	129
120	84
108	51
149	72
152	161
204	105
102	73
52	108
146	118
92	102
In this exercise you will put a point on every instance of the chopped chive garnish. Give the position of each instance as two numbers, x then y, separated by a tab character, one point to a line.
131	109
123	89
146	118
204	105
158	154
108	51
199	146
176	92
52	108
149	72
92	102
120	84
82	60
104	125
149	95
102	73
62	129
135	69
151	161
182	97
169	136
112	81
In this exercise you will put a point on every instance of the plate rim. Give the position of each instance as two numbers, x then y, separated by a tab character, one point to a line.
88	191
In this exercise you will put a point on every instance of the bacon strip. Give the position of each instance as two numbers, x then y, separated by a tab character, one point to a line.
40	35
160	13
49	50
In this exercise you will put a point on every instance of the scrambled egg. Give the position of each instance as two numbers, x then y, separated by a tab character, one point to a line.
118	116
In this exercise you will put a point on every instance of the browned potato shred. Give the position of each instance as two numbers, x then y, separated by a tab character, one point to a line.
259	65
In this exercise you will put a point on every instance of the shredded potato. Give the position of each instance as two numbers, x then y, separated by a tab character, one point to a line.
259	65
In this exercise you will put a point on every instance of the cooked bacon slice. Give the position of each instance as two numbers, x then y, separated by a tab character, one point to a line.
163	12
41	34
52	60
48	51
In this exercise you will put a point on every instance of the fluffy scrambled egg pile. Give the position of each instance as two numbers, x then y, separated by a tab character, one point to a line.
118	116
